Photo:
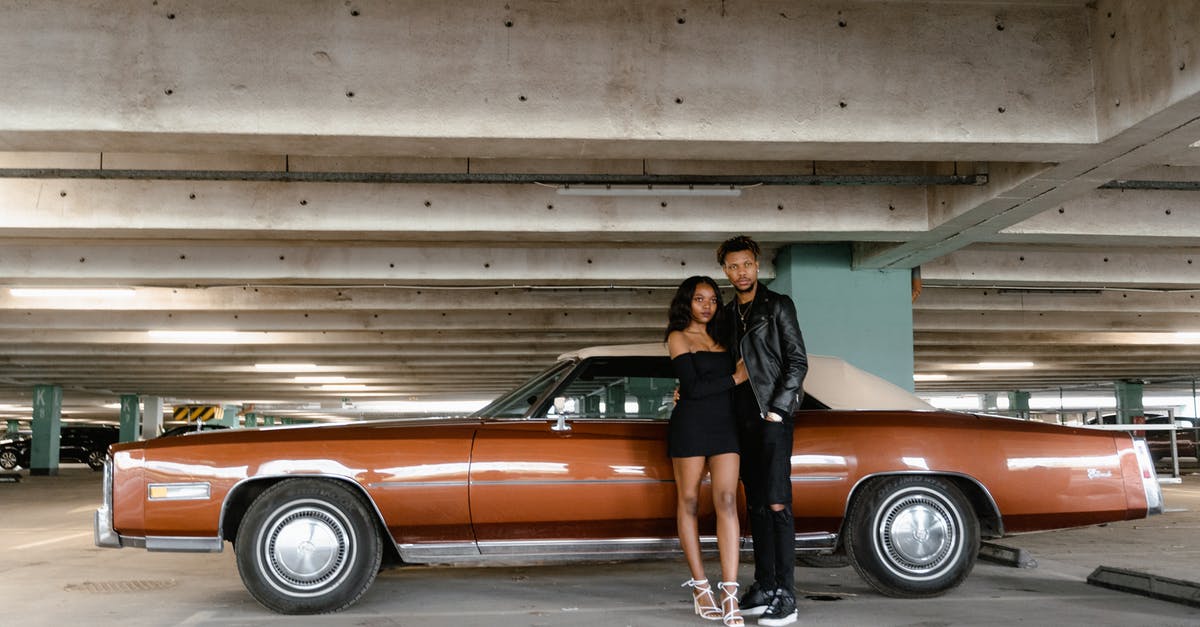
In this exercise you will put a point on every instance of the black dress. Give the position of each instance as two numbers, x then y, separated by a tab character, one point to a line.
703	423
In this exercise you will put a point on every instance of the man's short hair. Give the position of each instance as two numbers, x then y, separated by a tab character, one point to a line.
735	244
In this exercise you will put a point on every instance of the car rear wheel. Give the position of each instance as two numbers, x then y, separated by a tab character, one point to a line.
912	536
8	459
308	546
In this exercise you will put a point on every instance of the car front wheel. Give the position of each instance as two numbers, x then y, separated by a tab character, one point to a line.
308	546
95	459
8	459
912	536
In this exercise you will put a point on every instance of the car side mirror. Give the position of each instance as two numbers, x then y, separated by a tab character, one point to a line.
560	411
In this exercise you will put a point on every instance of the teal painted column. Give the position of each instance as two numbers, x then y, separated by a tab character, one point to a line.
131	417
268	421
13	427
47	430
1018	402
251	420
229	416
862	316
1129	401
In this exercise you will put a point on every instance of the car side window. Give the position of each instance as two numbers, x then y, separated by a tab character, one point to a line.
617	388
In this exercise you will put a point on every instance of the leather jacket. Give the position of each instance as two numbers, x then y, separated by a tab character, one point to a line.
773	349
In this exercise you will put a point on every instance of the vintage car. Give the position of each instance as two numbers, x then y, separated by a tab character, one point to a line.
572	465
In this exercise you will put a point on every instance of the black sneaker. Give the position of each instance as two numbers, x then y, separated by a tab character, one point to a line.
780	611
755	601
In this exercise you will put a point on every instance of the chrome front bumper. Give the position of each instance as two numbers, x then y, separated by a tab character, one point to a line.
107	537
104	534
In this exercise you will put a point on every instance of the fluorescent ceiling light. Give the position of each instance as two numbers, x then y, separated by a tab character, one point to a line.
71	292
321	379
649	190
213	337
930	377
344	387
285	367
1188	335
1004	365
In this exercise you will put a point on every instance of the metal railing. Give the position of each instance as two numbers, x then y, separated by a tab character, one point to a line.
1175	477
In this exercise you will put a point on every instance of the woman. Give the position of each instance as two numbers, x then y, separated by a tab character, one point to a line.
703	433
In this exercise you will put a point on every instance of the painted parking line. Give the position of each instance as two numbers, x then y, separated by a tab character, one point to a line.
51	540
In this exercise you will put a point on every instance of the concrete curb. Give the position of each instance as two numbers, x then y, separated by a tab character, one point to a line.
1006	555
1153	586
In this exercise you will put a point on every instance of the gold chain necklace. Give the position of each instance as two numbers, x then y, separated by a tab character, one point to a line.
743	313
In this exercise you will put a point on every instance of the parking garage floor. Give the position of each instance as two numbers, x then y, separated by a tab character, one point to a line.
51	574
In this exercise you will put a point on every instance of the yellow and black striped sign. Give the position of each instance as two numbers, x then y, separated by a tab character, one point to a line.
200	413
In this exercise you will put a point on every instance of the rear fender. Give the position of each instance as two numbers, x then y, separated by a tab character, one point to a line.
991	524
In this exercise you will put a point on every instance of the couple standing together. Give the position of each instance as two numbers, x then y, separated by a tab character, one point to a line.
740	368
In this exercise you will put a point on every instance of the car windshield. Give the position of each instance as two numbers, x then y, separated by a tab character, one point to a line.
518	402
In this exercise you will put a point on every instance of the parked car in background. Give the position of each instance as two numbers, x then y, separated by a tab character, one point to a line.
10	447
83	443
572	465
1187	432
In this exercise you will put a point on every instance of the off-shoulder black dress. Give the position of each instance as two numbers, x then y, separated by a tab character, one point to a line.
703	423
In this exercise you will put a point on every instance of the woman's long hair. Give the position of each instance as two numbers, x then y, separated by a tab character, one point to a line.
679	316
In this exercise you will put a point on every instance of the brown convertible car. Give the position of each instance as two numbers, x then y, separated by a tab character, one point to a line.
572	465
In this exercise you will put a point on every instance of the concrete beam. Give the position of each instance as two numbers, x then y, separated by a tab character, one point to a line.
210	263
353	298
815	80
1002	265
423	213
1066	299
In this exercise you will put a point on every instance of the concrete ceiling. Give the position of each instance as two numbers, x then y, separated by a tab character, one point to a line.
371	187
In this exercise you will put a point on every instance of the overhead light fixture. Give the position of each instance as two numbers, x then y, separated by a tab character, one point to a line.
1004	365
72	292
1188	336
930	377
285	367
726	191
344	387
320	379
199	337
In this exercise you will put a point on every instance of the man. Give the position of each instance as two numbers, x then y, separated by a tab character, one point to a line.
764	333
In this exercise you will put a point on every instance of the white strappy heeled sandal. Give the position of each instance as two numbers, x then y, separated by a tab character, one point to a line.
700	590
731	615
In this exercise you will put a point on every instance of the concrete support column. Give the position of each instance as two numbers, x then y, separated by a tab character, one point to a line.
131	417
1129	401
152	416
47	430
1018	403
862	316
989	401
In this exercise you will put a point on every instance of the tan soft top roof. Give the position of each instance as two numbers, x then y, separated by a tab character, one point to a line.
830	379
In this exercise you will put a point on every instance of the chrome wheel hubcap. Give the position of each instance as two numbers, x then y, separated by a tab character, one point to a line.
918	533
307	548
